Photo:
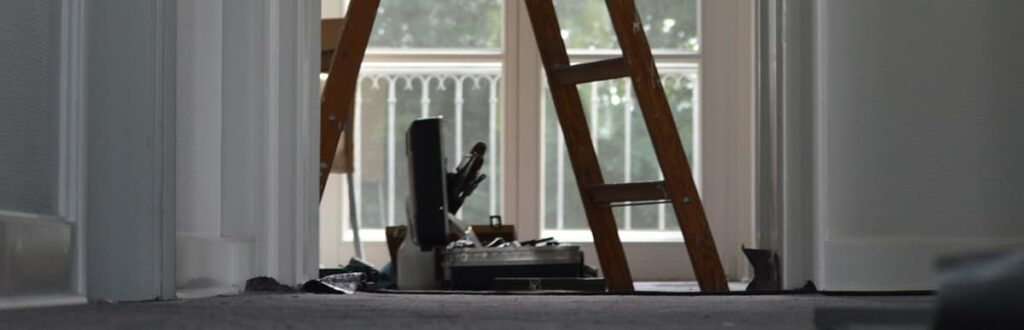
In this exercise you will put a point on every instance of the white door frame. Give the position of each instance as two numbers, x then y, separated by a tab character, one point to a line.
784	199
289	245
292	52
131	147
263	220
73	117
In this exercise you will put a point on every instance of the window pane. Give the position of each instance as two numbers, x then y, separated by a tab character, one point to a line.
671	25
624	150
474	24
390	98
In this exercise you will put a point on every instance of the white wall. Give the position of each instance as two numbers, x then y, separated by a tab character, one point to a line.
247	139
164	171
916	147
130	107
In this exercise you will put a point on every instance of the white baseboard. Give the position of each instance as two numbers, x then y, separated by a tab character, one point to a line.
37	255
210	265
41	301
894	263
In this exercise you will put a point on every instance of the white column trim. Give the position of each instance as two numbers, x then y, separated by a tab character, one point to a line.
292	82
767	141
308	138
273	157
798	232
72	119
166	19
278	58
521	158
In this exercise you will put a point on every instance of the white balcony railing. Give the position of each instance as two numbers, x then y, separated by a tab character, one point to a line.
402	92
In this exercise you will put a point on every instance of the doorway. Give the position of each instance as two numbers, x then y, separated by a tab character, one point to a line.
413	69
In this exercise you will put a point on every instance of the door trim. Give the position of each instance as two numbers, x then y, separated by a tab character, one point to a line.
130	96
72	134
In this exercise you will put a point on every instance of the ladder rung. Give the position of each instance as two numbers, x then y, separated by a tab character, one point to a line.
593	71
606	194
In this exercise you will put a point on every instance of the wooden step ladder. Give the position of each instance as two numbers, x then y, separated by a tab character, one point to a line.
343	45
678	188
342	63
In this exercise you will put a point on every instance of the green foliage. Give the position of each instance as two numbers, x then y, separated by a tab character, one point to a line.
669	24
438	24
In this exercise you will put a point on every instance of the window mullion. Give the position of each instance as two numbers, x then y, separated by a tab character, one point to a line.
523	126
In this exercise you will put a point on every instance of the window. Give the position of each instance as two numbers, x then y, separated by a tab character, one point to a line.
392	95
401	82
475	62
427	59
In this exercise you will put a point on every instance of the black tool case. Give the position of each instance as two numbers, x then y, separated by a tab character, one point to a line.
476	268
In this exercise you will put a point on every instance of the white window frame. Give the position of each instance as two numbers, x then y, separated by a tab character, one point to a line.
723	140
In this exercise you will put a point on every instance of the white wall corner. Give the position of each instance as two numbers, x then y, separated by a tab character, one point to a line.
795	181
293	95
73	133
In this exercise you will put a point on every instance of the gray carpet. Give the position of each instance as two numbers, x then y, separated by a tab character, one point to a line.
405	311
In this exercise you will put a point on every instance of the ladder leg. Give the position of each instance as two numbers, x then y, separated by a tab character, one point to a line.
658	117
581	149
340	88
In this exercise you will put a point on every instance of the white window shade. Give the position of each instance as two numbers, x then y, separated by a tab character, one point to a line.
29	113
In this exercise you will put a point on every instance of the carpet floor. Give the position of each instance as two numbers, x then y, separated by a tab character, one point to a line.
409	311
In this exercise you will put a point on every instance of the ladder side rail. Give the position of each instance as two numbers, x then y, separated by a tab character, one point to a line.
340	88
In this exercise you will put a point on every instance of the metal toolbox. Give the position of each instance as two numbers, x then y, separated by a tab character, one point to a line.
476	268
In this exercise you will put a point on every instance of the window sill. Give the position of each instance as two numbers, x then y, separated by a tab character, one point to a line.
626	236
